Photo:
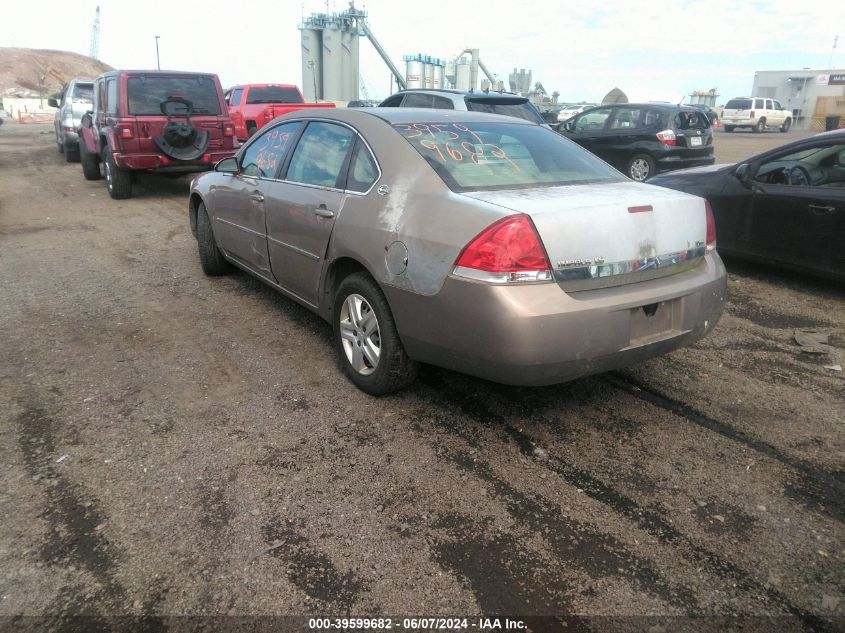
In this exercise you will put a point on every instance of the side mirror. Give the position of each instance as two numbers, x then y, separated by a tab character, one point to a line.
742	173
52	103
227	166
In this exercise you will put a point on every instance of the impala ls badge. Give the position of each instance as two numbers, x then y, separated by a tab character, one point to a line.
569	263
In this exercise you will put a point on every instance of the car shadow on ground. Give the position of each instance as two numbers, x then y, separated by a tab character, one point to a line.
794	280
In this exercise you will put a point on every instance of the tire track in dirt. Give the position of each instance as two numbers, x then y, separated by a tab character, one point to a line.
75	532
480	410
817	489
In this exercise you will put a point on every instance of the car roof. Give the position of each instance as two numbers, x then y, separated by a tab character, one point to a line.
405	115
166	73
463	93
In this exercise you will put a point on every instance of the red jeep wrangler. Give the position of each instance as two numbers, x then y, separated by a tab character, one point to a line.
252	106
154	120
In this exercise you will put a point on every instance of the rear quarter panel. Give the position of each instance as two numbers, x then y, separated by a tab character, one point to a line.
420	211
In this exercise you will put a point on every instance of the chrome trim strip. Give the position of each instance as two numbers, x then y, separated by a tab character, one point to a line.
625	267
294	248
618	273
238	226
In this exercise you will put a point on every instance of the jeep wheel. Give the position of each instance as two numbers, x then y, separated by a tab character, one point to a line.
786	125
251	129
118	181
761	126
90	164
71	152
729	128
211	259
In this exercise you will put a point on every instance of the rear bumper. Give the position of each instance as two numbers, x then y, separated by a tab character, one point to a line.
163	164
540	335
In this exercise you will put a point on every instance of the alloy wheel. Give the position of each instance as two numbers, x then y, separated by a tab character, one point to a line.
639	169
360	334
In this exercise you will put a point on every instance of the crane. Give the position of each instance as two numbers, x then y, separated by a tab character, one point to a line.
94	51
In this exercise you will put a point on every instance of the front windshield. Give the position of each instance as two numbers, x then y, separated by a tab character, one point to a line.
486	156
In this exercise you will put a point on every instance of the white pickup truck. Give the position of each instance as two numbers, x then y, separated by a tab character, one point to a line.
756	113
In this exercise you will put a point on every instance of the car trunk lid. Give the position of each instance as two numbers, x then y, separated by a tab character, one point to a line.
611	234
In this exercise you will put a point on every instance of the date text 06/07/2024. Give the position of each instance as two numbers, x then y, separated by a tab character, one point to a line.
428	624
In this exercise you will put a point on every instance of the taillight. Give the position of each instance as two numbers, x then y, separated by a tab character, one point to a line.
667	137
228	130
507	251
752	114
711	227
126	131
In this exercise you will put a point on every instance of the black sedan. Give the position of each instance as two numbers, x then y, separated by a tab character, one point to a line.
785	207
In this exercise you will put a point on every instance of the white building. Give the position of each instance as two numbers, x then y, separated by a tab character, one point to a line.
811	95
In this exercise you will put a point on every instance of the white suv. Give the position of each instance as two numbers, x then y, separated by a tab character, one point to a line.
757	113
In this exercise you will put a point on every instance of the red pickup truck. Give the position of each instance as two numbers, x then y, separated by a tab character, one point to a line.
254	105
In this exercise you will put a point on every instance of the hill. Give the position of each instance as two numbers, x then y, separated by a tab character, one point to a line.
21	70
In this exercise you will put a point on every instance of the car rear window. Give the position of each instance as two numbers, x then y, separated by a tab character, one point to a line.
273	94
84	93
738	104
146	93
519	108
691	119
487	156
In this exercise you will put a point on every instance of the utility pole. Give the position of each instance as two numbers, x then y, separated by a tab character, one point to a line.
833	48
158	61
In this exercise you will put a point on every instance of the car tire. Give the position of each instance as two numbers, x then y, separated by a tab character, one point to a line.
71	152
760	127
211	258
251	129
729	128
90	164
786	125
60	145
118	181
640	168
392	369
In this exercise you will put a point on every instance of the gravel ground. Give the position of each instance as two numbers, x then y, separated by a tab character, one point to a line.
179	445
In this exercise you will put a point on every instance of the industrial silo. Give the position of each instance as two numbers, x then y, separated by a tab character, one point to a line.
462	74
437	77
349	66
312	71
332	62
428	69
449	74
413	72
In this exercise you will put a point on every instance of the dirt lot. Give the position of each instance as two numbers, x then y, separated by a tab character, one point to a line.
174	444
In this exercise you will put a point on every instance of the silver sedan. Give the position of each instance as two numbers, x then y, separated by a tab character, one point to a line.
480	243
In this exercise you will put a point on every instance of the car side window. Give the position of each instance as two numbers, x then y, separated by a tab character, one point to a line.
442	103
392	102
768	104
777	105
235	97
417	100
652	118
758	103
363	171
265	155
111	96
625	118
592	121
320	155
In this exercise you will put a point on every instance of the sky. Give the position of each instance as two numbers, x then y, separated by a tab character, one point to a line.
657	51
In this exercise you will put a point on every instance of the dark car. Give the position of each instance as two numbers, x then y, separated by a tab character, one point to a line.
504	103
641	139
786	206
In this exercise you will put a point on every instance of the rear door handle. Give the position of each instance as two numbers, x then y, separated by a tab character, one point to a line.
323	212
257	197
819	209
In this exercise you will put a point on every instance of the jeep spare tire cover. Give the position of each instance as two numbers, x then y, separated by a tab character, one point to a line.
180	140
